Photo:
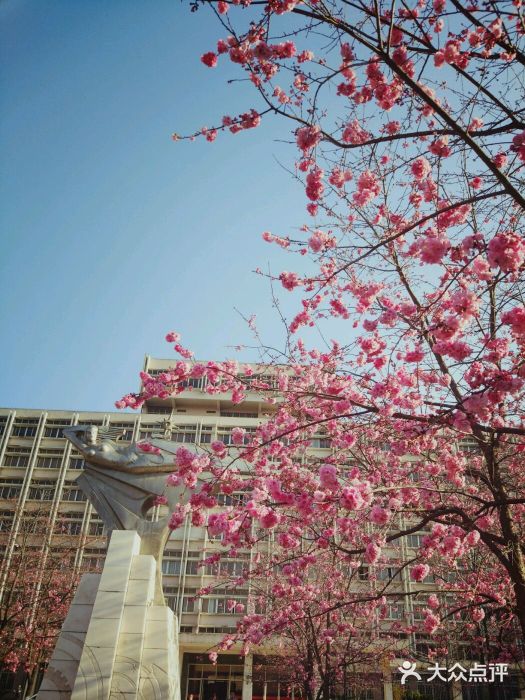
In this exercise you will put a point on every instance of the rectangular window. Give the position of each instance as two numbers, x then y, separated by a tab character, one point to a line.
389	573
362	573
415	541
10	488
206	432
16	456
96	527
42	490
184	434
225	435
171	567
25	427
54	431
49	458
76	463
72	494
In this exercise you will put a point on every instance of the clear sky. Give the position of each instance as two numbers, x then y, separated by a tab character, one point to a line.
111	233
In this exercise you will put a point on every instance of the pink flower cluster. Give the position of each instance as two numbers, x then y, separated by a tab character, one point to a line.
506	251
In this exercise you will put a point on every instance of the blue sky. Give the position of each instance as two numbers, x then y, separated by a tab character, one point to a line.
111	233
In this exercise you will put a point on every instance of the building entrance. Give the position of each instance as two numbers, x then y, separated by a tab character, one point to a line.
202	680
216	690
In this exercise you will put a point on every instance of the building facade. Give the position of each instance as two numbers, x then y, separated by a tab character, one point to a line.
38	470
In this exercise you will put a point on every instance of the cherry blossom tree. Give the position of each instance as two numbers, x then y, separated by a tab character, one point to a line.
40	585
409	125
322	648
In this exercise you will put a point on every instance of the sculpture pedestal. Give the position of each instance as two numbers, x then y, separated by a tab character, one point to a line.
115	643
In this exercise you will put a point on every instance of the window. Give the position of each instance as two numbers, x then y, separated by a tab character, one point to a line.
418	611
159	410
25	427
395	611
231	499
226	568
17	456
240	414
206	432
10	488
49	458
71	527
189	604
415	541
42	490
219	605
54	428
171	567
6	520
96	526
184	433
93	558
389	573
225	435
363	573
71	493
76	462
320	442
194	383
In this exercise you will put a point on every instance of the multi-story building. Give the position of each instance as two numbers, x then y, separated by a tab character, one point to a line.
38	470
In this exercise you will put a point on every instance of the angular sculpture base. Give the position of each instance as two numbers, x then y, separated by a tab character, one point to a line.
115	643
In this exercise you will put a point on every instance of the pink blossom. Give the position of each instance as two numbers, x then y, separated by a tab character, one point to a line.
290	280
286	540
172	337
518	145
440	147
219	448
420	168
515	318
328	477
478	614
238	436
314	184
457	349
367	188
319	240
419	572
433	601
506	251
372	553
431	622
351	499
472	538
379	515
500	159
308	137
433	247
270	520
338	177
305	55
355	134
209	59
451	544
